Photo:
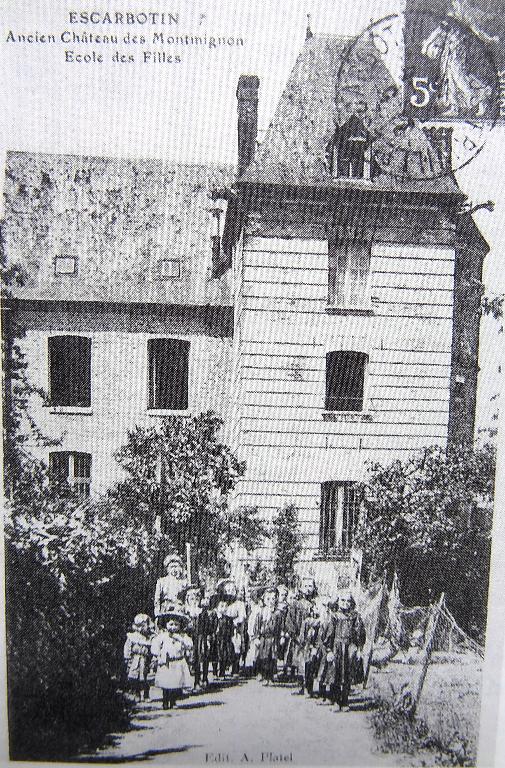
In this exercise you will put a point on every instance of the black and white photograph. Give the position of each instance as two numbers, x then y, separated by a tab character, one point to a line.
252	348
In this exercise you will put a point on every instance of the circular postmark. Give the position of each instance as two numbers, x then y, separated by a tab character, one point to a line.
424	92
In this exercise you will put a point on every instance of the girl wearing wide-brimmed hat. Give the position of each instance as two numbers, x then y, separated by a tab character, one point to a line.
170	647
137	655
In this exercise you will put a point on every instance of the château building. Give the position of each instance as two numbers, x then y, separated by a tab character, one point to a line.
328	311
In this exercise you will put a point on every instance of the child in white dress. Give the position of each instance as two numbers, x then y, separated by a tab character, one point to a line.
171	647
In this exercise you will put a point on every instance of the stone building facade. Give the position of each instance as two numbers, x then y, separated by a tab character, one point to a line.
328	311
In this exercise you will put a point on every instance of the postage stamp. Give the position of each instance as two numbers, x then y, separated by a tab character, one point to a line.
252	350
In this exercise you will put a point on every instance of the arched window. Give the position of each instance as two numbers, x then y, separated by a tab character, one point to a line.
345	380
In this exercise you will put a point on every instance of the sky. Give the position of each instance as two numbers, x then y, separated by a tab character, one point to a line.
186	111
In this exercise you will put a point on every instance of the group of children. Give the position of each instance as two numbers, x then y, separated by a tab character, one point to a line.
273	633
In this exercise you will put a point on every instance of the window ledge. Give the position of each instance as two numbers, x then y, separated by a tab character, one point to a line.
349	416
331	309
71	410
333	554
167	412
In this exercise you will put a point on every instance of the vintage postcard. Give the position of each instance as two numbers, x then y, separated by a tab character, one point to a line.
252	337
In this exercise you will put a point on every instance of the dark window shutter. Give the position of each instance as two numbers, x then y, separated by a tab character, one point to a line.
82	465
58	466
350	510
345	380
168	373
70	370
328	511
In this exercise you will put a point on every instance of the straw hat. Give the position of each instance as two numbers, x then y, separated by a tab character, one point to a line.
173	558
175	615
140	618
221	584
218	597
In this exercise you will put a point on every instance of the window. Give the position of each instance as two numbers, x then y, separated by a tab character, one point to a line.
73	468
345	381
348	274
70	370
339	515
168	373
349	151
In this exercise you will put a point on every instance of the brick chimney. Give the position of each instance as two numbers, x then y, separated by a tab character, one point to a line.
247	97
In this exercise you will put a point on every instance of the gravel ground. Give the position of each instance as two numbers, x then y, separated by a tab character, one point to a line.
248	723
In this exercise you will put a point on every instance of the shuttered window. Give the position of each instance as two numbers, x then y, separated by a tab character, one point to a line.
345	381
70	370
71	467
339	515
168	373
348	274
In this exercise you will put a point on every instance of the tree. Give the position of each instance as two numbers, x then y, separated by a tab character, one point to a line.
19	427
287	539
429	519
75	572
178	478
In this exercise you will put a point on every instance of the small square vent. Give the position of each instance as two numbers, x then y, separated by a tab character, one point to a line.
170	268
65	265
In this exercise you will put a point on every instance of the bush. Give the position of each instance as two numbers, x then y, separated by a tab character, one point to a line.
77	572
429	519
397	733
287	543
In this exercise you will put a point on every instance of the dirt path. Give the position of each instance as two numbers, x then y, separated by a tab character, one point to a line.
247	723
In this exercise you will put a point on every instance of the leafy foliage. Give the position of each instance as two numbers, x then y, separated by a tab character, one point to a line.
246	528
76	574
429	518
494	307
178	477
287	539
18	424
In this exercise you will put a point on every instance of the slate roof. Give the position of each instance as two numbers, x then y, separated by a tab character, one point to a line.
118	218
294	148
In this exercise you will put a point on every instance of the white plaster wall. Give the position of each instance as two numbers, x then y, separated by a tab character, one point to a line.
119	393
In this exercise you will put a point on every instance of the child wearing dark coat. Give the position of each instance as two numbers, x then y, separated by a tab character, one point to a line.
344	639
222	653
199	629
